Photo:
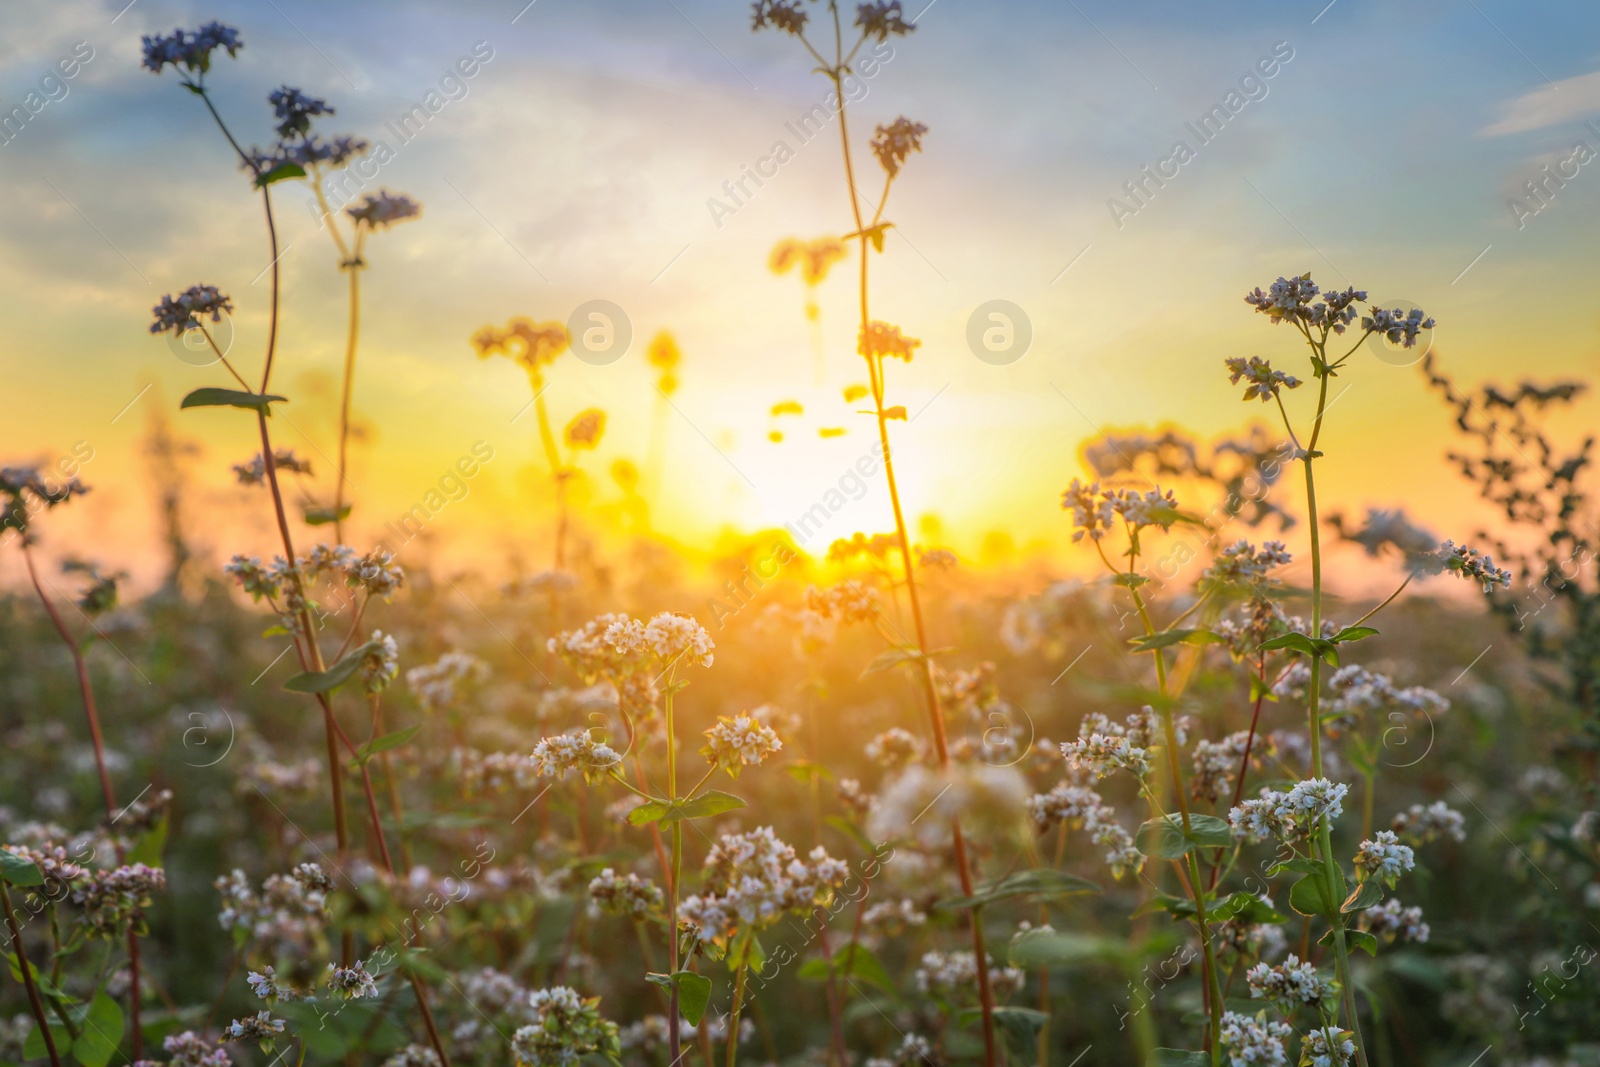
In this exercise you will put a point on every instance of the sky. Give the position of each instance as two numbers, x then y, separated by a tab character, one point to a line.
586	159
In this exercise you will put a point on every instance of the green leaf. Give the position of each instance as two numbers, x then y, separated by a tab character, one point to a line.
332	678
1353	633
713	802
1261	690
1354	939
101	1033
212	397
1041	882
1296	642
1167	638
1177	1057
281	172
851	961
1299	866
1311	898
1021	1026
320	516
151	844
1132	581
1247	907
18	871
46	986
383	744
1164	836
1177	907
1363	896
892	658
34	1048
694	991
1040	948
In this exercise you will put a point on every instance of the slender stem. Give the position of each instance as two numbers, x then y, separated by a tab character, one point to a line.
24	965
930	691
352	335
673	1037
738	1006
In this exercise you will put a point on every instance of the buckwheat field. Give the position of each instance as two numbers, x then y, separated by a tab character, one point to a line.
806	533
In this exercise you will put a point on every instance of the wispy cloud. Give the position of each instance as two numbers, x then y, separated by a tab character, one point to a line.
1562	101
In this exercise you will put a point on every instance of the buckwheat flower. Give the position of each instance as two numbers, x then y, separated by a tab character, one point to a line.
919	804
530	345
575	751
190	50
1242	564
383	208
1260	819
376	572
893	917
1285	298
1072	804
1290	982
312	150
1150	508
1397	327
740	742
566	1027
1419	824
671	636
849	601
1383	858
1293	682
189	308
632	896
258	1027
24	492
352	982
894	142
1256	1040
786	15
1091	511
189	1049
381	664
879	339
879	19
1316	798
1393	922
1105	754
265	984
1471	564
586	429
1263	381
1327	1047
283	459
954	976
435	684
413	1056
295	110
115	900
894	748
855	799
1216	764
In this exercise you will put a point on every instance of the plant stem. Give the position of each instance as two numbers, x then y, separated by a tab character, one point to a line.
24	965
673	1038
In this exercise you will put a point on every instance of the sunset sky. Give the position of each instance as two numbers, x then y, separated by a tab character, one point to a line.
1389	149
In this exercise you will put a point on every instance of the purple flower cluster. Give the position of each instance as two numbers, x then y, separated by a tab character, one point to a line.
880	19
188	307
786	15
894	142
192	51
383	209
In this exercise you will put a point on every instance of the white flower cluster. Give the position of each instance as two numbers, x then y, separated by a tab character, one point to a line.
567	1027
668	637
1216	764
954	975
413	1056
741	741
265	984
1290	982
258	1027
1396	923
353	982
1080	806
381	665
435	683
849	601
189	1049
590	653
914	1051
1471	564
1357	689
288	908
578	751
497	771
1095	510
1255	1041
894	748
1104	746
1384	858
1288	816
1419	824
754	878
893	916
1327	1047
1242	564
920	803
632	896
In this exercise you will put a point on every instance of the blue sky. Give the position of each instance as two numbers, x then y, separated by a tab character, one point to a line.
581	161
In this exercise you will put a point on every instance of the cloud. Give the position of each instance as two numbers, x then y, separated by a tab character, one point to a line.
1570	98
